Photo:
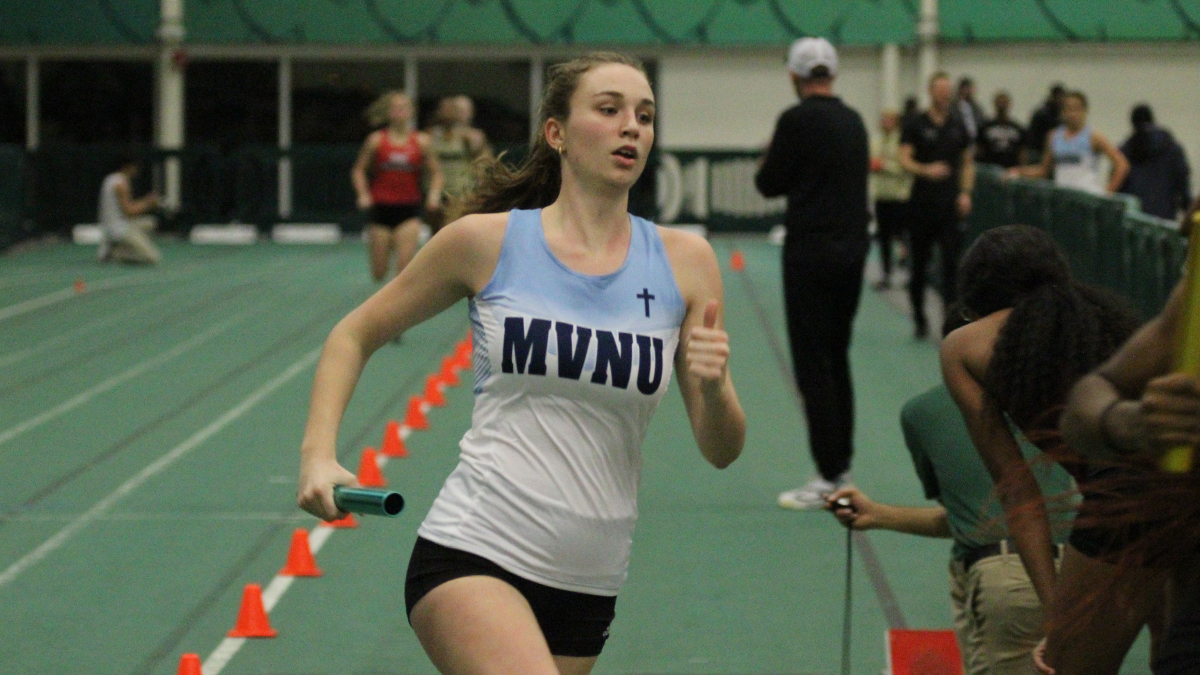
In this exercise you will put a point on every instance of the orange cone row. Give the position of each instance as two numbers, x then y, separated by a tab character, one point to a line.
252	620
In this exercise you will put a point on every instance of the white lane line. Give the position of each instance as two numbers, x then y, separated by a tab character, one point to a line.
36	303
88	394
48	299
19	355
159	517
275	590
229	647
157	466
22	354
220	656
317	537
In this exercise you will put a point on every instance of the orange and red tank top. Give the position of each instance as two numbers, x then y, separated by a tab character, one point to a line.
397	170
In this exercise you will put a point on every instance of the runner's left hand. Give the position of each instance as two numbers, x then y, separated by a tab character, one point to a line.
707	354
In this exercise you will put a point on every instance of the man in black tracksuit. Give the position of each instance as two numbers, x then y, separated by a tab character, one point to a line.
818	157
936	148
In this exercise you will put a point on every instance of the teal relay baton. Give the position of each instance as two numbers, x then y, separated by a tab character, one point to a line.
368	502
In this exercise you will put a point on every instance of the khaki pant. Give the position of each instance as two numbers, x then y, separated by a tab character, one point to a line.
997	616
136	246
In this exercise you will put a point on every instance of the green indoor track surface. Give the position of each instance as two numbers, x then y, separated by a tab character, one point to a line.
149	437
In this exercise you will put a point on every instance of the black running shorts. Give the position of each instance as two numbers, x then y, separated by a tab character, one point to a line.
575	624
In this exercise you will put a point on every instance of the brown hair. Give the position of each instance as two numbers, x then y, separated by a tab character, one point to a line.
535	183
377	112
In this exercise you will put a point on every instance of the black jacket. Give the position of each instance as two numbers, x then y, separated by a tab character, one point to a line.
1158	172
819	158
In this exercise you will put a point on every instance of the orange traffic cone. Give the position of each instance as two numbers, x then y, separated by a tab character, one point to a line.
347	523
449	373
393	444
433	391
189	665
462	358
79	286
252	618
368	470
737	261
300	562
415	419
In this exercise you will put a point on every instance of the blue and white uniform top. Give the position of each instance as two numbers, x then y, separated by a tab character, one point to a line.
569	368
1076	162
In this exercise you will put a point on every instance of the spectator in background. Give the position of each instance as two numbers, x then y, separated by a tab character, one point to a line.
1001	141
818	157
1072	153
967	109
911	110
457	145
1158	169
936	148
891	185
1045	119
123	220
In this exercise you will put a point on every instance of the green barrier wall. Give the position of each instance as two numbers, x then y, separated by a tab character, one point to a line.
12	194
1108	243
609	22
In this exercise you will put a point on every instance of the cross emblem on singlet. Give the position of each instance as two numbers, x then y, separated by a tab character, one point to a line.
646	296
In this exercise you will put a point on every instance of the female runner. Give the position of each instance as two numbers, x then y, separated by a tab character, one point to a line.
579	311
1072	153
1035	332
396	156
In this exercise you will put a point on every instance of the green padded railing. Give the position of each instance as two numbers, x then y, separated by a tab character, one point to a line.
1108	242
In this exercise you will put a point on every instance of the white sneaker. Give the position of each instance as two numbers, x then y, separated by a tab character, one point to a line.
812	496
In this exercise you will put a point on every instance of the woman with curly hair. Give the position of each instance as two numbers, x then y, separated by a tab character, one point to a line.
1034	332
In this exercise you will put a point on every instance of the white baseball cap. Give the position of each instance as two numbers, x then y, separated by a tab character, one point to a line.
808	53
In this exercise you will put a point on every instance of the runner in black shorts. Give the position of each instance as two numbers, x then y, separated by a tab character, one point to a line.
396	156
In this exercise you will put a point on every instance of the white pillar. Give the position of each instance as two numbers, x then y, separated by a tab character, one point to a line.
889	94
927	58
33	115
537	81
410	81
285	137
171	62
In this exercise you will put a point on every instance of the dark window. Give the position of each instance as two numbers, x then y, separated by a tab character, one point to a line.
231	103
329	99
12	102
500	90
96	102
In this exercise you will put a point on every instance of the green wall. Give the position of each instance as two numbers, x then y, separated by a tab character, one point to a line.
618	22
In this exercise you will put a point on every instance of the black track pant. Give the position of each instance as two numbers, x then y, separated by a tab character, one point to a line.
929	224
891	221
822	283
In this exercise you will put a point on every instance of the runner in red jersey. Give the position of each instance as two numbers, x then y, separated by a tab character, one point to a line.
396	157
